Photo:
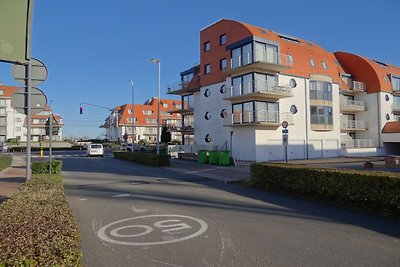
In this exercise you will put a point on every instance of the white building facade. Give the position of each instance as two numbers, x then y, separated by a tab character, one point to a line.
251	79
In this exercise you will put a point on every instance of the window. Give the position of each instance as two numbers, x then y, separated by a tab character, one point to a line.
321	115
187	102
207	92
18	129
222	39
291	58
320	90
1	92
129	119
187	77
129	111
165	105
222	64
255	111
2	103
208	138
395	83
223	113
312	63
207	68
207	46
222	90
324	65
151	121
147	112
207	116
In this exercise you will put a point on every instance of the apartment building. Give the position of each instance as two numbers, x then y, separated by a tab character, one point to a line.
251	79
118	124
14	124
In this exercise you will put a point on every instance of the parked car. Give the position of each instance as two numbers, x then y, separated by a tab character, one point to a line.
133	147
95	150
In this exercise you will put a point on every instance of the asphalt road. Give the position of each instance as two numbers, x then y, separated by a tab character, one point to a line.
134	215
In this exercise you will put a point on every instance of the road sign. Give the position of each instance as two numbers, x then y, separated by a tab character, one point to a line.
38	72
285	140
285	131
285	124
38	101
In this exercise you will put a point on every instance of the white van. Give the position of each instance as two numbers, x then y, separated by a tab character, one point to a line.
95	150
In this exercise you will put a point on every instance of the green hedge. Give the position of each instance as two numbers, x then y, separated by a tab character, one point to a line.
143	157
43	167
370	191
5	162
37	228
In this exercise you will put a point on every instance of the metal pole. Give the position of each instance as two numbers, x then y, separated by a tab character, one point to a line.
158	111
29	120
50	137
133	116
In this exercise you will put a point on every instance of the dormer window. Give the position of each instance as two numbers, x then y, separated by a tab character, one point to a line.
222	39
312	63
324	65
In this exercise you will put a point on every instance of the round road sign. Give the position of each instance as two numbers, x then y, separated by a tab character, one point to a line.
285	124
38	73
38	101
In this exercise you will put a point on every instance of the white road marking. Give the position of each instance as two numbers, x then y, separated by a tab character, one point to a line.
202	225
136	210
82	199
205	170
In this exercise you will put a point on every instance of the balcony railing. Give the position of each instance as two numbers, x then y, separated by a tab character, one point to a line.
352	105
359	143
265	60
353	125
260	86
321	119
396	108
177	87
262	117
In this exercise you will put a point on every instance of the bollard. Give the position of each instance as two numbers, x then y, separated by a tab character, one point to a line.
41	151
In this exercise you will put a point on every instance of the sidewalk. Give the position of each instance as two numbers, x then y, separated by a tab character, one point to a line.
12	178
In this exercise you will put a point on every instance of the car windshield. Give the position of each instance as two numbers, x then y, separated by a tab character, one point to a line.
95	146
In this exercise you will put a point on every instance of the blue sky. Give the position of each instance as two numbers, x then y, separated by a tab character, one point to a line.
92	47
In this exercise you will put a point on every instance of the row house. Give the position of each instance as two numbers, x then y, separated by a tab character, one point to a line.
143	118
13	125
251	79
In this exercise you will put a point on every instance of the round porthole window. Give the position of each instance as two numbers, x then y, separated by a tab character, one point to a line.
223	89
208	138
207	116
387	117
207	93
387	97
293	109
223	113
292	83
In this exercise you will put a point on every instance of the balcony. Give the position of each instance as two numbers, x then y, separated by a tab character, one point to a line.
321	122
359	143
355	87
396	108
187	108
263	118
176	126
181	88
352	125
396	92
352	105
258	61
258	90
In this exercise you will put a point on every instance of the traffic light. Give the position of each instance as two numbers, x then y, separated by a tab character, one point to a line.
80	109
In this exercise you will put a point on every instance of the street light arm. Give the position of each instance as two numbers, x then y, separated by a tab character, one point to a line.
93	105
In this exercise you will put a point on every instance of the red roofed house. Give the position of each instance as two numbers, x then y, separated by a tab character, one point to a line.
145	121
13	124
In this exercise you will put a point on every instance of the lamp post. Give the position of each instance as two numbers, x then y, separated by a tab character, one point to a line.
133	116
154	60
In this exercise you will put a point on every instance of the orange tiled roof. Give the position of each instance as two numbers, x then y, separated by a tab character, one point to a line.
368	71
391	127
8	90
150	105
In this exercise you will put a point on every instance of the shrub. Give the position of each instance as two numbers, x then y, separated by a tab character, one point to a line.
370	191
37	227
5	162
143	157
43	167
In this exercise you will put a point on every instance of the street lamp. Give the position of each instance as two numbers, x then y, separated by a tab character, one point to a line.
133	116
154	60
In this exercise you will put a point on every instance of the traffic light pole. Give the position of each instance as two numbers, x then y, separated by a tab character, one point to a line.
50	137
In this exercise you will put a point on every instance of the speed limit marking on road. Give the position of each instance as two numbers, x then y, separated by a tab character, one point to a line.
152	230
